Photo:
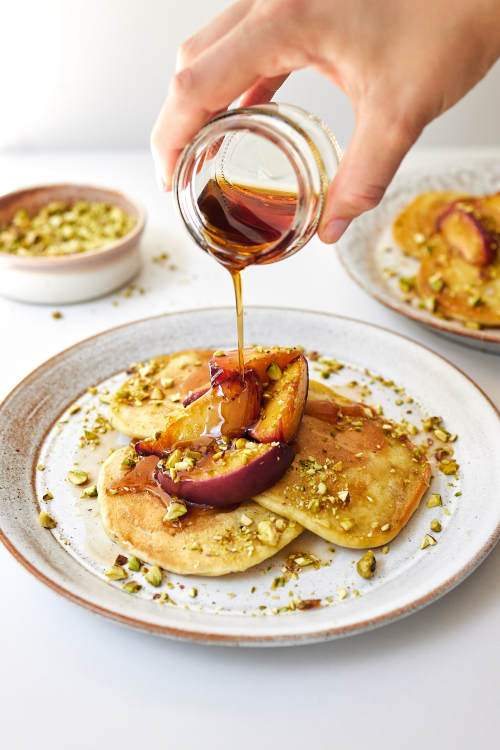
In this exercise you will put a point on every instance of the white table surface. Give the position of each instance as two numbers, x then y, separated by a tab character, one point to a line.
69	679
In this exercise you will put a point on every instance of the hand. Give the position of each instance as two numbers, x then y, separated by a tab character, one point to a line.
402	63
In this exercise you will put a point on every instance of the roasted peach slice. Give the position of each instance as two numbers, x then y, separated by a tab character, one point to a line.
466	234
225	410
257	358
283	403
221	478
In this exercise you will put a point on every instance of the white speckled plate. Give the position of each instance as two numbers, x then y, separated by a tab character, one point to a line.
370	255
37	428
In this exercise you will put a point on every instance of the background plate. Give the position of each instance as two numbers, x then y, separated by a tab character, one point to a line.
73	558
368	251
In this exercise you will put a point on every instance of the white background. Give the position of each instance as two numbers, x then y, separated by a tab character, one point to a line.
91	75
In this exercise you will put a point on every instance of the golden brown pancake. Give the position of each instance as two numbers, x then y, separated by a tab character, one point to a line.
416	224
154	394
458	289
205	542
353	482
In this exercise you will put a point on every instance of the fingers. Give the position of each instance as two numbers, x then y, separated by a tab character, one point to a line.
263	91
230	66
369	164
211	33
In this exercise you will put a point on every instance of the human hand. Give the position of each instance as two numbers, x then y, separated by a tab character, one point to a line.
400	62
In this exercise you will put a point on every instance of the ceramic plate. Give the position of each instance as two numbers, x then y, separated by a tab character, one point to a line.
370	256
39	427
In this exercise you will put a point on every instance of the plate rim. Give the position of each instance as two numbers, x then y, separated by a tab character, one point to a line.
229	639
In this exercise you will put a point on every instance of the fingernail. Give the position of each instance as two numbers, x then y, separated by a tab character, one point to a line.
334	230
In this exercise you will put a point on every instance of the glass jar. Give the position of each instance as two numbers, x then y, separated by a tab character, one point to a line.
251	185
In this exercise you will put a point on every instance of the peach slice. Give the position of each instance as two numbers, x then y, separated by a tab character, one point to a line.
283	405
465	233
259	359
225	410
228	477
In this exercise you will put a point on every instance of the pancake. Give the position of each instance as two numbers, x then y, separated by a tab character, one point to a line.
459	289
154	393
204	542
416	224
352	482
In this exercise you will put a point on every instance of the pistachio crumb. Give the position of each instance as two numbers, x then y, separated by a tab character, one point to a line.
46	520
435	525
134	563
116	573
366	565
77	476
427	541
132	587
434	500
154	576
176	509
193	593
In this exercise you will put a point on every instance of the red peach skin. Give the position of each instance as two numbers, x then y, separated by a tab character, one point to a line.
225	483
467	235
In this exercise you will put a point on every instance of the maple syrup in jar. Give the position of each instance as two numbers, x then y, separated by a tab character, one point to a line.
252	183
251	186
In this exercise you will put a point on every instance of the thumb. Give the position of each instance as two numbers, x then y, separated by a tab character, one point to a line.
369	164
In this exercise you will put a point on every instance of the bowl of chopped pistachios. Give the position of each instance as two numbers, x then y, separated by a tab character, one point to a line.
67	243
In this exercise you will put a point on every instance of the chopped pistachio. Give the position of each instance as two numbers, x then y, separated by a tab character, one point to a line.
435	525
427	541
77	476
366	565
40	467
407	283
246	520
134	563
128	462
436	282
385	527
156	394
167	382
240	443
173	458
57	314
47	496
132	587
46	520
74	409
322	488
385	549
89	491
154	576
274	371
219	353
434	500
175	510
193	593
117	573
342	593
267	533
347	524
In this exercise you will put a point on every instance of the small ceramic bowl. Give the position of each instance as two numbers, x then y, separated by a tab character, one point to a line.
69	278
